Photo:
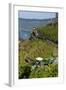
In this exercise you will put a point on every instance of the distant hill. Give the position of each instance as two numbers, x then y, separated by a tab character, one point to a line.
53	19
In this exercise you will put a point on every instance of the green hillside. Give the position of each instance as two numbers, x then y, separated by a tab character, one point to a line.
39	47
35	49
50	32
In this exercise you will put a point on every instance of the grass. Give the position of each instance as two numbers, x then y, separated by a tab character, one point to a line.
50	32
39	48
46	71
35	49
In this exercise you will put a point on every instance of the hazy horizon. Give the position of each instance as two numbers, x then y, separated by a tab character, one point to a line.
36	15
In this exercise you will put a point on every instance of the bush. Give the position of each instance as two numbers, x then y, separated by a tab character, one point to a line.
47	71
50	32
24	72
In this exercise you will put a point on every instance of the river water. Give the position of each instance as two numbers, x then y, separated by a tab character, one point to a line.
26	26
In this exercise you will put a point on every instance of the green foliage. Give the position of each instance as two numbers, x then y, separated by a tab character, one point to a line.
35	49
24	71
39	48
47	71
50	32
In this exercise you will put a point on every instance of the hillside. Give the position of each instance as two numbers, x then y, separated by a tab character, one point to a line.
44	45
50	32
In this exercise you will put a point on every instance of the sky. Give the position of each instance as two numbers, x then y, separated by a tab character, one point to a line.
36	15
